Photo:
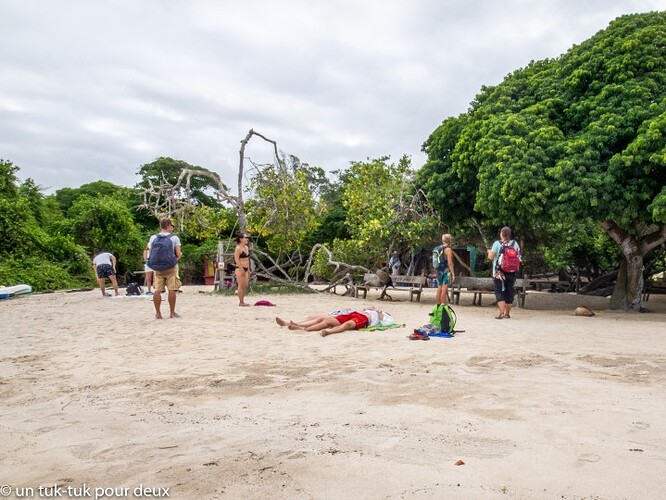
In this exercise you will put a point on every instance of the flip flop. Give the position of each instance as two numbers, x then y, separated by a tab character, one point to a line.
419	336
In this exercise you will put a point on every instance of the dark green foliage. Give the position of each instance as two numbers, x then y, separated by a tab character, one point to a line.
19	231
8	179
66	197
28	253
566	140
332	226
446	186
106	224
563	138
192	264
40	273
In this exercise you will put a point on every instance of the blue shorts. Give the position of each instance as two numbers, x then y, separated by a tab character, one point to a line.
105	270
443	277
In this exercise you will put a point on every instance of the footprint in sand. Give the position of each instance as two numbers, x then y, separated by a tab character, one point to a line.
588	457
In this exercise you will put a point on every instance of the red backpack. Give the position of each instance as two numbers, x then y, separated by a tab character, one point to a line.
509	258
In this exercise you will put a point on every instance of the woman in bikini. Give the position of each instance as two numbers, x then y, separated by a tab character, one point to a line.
242	261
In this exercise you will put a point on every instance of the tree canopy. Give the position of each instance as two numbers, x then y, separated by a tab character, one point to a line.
28	252
167	170
580	136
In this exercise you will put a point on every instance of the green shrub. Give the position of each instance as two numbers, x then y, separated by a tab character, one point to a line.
41	274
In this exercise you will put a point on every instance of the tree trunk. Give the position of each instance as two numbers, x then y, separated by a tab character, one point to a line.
629	286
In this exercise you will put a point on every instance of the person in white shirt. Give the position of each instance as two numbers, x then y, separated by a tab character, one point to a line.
165	277
104	265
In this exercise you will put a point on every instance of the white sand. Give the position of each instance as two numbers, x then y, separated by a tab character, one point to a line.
223	403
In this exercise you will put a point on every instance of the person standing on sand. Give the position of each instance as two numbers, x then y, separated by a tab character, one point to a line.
164	254
148	272
104	265
442	261
504	281
242	262
394	264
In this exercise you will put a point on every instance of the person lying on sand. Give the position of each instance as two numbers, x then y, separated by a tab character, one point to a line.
339	321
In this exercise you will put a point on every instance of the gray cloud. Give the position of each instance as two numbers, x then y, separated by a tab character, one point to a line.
93	90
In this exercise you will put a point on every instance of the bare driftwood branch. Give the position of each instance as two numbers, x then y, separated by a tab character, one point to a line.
338	265
241	172
168	200
347	281
271	273
478	227
163	200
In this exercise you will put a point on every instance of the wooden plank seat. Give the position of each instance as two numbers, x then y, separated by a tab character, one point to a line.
653	287
412	284
480	286
553	285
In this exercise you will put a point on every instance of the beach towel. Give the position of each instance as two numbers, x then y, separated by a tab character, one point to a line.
380	327
441	334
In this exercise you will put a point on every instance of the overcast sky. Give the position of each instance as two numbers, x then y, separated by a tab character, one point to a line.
93	90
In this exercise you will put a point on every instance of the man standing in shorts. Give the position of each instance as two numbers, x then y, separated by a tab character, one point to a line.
164	254
104	264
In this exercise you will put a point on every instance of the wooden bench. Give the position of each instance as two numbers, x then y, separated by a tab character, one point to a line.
653	287
479	286
554	286
412	284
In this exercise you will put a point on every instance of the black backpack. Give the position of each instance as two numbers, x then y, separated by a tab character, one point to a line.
133	288
162	254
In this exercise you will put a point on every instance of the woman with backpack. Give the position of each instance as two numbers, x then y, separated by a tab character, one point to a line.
442	261
505	254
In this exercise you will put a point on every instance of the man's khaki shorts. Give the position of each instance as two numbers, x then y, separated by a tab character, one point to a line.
168	278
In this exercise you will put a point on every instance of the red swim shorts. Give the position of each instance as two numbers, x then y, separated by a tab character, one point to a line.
360	319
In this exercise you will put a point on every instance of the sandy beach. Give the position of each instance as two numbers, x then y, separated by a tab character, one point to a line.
224	403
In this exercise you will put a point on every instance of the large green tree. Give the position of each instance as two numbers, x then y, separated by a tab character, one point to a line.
28	252
284	209
384	210
106	224
580	136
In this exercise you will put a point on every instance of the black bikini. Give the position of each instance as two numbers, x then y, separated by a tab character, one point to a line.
244	255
